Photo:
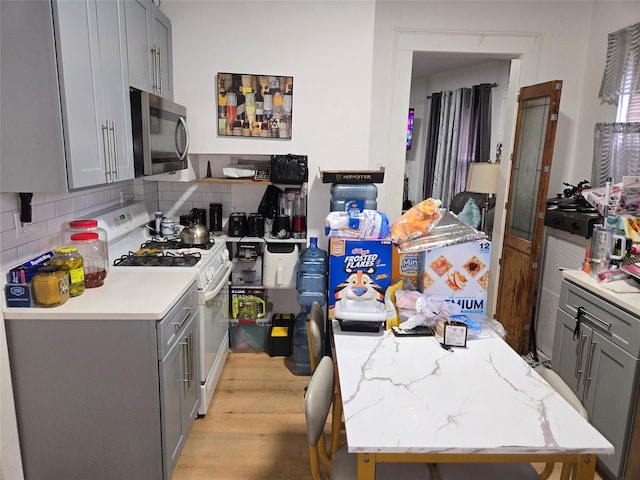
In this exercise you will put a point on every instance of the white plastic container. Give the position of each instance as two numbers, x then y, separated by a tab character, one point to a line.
279	265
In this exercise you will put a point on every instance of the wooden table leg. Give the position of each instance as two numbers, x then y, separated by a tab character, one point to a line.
586	467
366	466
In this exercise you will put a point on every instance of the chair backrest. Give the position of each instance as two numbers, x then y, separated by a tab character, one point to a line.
317	401
562	388
314	334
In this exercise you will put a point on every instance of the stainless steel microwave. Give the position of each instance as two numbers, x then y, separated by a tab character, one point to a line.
160	135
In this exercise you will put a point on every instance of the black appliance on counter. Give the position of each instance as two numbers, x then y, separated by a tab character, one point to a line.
573	214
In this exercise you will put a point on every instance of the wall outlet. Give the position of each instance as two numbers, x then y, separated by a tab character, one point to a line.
21	230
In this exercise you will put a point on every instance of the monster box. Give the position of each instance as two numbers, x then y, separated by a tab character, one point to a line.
459	273
359	274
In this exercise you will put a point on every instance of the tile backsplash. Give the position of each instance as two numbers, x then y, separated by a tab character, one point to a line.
52	211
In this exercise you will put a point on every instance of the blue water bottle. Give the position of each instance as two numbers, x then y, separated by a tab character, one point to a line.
301	362
311	277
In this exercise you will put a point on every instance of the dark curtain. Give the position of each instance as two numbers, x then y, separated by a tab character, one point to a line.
432	145
474	140
481	122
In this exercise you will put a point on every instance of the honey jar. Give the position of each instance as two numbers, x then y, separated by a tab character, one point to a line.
50	286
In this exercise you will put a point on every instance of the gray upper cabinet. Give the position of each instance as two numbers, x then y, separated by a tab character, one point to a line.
149	48
64	91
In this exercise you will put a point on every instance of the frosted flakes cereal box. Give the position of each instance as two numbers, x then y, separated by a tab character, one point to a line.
459	273
359	273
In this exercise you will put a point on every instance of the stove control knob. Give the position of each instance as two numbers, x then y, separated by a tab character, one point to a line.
209	274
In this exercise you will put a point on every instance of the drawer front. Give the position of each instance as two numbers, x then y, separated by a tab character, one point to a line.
615	324
171	326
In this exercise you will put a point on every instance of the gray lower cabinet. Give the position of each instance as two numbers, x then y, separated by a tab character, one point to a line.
149	48
65	95
600	362
104	399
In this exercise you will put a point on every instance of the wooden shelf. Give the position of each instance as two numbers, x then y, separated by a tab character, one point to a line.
233	181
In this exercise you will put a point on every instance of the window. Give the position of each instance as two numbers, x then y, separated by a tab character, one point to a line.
629	108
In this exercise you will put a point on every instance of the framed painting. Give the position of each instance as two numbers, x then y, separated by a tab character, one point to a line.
259	106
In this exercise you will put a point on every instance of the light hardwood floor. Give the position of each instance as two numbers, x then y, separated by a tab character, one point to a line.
254	429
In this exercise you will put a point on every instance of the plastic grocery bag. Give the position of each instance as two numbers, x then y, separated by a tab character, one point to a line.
416	222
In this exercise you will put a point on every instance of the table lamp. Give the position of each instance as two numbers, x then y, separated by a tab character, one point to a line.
483	178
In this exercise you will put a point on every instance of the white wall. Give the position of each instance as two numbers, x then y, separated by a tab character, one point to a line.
327	48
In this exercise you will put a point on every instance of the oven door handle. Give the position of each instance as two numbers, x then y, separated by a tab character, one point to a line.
208	296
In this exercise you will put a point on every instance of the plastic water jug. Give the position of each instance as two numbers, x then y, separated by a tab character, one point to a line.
365	194
301	363
311	277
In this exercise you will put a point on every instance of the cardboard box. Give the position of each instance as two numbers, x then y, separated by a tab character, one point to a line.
459	273
405	267
352	176
359	274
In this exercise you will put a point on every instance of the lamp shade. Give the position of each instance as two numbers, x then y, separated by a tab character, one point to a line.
483	177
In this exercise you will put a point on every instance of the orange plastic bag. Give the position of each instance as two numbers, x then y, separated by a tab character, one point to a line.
417	221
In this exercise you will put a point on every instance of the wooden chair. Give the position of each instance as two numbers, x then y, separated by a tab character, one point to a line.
514	471
343	465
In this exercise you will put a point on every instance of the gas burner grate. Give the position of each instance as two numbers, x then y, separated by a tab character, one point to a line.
163	259
172	244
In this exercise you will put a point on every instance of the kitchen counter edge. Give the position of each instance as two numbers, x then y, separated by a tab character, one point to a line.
125	295
627	301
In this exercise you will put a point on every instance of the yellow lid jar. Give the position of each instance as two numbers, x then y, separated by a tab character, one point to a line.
70	261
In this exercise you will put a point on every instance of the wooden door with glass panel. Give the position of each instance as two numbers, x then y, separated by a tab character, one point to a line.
530	170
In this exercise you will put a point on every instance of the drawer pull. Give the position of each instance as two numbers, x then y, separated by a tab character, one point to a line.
179	324
583	312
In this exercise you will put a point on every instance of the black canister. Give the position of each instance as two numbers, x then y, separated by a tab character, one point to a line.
215	217
238	224
185	220
255	225
199	215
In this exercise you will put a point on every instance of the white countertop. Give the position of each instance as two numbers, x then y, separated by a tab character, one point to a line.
410	395
623	293
127	294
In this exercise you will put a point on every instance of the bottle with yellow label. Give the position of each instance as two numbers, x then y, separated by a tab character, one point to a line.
69	260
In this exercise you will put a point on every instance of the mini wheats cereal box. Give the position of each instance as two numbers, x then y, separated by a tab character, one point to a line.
405	267
359	275
459	273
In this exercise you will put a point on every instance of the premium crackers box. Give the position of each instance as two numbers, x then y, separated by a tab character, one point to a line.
459	273
360	271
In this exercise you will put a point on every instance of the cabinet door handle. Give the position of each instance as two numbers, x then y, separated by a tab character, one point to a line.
114	157
154	59
589	364
577	371
107	153
159	53
189	364
185	362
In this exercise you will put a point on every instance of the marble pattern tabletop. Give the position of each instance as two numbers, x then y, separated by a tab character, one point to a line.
410	395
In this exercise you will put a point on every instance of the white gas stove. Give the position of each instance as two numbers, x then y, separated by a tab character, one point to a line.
131	246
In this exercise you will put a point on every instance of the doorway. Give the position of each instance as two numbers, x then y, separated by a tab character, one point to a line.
525	51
